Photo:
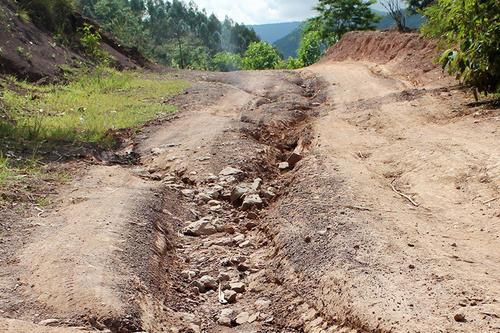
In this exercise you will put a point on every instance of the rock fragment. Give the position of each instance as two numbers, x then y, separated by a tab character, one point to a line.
230	296
242	318
284	166
230	171
208	282
251	201
202	227
226	317
238	287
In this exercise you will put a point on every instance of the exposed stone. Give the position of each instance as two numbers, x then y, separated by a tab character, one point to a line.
214	203
256	184
238	287
187	193
230	171
208	282
49	322
262	304
230	296
269	193
459	317
245	244
284	166
223	277
237	193
201	227
251	201
239	238
242	318
226	317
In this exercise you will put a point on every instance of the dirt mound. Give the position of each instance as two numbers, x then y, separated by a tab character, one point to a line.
29	52
408	55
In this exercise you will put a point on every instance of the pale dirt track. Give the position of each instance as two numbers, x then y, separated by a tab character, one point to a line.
338	250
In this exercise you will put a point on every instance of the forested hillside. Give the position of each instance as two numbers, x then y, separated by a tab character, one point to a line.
173	33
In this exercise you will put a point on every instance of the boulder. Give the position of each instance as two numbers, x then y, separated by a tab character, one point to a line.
230	171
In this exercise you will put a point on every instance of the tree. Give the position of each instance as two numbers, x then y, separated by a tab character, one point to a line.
261	55
336	17
471	29
394	9
310	49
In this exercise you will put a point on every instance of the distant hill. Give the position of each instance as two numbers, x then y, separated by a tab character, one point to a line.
273	32
289	44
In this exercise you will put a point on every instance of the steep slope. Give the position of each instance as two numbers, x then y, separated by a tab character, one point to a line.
30	52
289	44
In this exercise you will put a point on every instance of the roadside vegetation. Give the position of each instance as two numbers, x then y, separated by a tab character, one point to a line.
470	35
89	111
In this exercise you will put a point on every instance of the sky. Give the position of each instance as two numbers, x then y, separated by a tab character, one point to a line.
260	11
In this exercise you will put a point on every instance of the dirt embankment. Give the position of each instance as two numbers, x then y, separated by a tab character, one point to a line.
409	56
30	52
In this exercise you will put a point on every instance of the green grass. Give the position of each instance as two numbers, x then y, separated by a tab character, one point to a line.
87	109
90	109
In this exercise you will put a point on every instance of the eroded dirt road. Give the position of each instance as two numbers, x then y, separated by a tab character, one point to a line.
385	218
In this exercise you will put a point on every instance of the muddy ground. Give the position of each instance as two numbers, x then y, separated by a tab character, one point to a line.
337	198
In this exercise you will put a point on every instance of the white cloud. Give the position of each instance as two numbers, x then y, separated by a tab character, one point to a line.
259	11
262	11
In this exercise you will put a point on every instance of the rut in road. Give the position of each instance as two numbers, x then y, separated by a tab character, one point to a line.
221	279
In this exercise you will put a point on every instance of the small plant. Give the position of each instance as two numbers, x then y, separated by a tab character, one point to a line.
90	41
23	53
226	62
23	15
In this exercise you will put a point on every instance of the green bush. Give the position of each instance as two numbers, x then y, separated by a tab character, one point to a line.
261	55
226	62
310	49
471	31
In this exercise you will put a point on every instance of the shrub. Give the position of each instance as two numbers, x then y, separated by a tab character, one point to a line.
471	31
261	55
226	62
310	49
90	41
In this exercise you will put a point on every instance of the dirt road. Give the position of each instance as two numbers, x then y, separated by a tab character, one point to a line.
332	199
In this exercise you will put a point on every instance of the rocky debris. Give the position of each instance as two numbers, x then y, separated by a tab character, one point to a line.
238	287
460	317
189	274
226	317
230	171
230	296
49	322
208	282
203	227
251	201
284	166
262	304
242	318
257	183
245	244
297	153
187	193
237	194
269	193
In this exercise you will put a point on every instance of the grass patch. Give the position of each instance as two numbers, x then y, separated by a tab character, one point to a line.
87	109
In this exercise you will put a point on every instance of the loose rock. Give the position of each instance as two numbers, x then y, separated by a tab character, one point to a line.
242	318
201	227
230	171
238	287
251	201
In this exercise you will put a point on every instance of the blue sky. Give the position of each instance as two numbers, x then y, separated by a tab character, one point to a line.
261	11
